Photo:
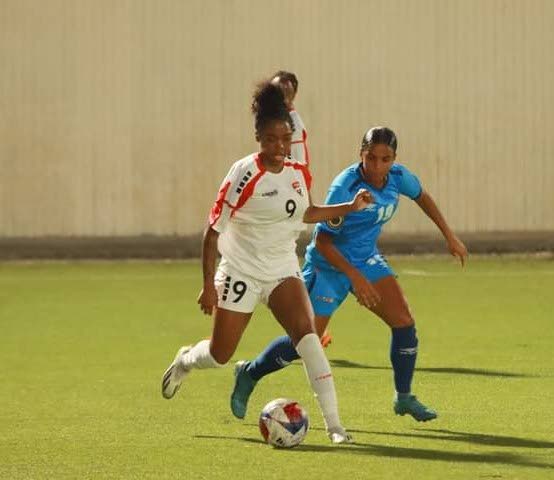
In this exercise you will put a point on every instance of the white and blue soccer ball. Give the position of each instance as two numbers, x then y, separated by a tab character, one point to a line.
283	423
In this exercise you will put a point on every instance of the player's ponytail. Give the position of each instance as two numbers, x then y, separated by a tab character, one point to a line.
268	104
381	135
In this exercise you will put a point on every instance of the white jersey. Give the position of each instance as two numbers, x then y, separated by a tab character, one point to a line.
299	147
259	217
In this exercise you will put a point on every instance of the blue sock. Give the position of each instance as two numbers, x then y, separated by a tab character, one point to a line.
278	354
403	354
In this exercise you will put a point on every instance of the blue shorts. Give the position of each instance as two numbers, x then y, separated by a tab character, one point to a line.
328	288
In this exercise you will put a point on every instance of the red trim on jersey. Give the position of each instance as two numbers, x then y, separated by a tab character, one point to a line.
259	163
306	152
305	145
305	172
217	208
248	190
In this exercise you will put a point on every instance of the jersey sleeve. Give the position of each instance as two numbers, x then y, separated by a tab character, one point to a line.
408	183
231	195
336	194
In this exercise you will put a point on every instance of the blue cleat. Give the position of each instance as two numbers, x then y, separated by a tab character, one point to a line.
412	406
244	385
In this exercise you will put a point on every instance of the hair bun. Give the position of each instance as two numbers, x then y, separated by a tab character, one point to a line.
268	103
268	98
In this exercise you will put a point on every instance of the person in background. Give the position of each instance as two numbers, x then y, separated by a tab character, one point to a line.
288	82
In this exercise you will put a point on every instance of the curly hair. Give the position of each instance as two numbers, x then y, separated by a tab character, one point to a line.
291	77
268	104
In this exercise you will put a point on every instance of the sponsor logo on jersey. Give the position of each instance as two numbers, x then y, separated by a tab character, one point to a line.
321	298
335	223
270	194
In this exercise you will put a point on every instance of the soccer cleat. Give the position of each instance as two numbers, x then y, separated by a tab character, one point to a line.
412	406
326	339
174	375
244	385
339	435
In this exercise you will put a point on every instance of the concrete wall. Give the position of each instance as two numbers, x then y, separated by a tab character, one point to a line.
121	117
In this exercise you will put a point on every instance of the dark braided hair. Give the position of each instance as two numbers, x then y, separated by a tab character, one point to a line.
291	77
268	104
381	135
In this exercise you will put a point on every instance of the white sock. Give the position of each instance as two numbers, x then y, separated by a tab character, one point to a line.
199	356
319	374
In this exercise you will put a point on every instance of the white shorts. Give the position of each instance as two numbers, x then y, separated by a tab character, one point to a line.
240	293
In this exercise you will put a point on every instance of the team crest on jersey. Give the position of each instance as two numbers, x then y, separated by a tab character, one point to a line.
335	223
297	187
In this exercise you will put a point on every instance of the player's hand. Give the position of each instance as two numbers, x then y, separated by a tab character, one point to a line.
365	292
457	248
362	199
207	299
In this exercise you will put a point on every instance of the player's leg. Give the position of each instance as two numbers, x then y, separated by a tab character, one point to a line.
393	309
327	292
213	353
277	355
230	320
291	306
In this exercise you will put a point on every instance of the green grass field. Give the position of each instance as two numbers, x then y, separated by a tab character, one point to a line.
83	347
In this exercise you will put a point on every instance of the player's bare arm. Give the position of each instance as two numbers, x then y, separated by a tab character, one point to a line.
208	295
455	245
322	213
363	289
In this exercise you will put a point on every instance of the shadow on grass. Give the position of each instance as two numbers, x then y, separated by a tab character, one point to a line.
480	438
223	437
442	434
402	452
340	363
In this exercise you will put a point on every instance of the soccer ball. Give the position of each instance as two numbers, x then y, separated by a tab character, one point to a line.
283	423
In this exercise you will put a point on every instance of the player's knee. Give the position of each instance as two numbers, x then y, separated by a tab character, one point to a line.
320	327
300	330
403	321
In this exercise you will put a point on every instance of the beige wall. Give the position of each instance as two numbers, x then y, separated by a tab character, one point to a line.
121	117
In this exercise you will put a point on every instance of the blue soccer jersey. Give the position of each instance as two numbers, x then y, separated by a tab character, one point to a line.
355	235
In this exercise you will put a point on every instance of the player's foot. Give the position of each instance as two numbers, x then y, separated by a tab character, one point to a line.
412	406
326	339
175	374
244	385
339	435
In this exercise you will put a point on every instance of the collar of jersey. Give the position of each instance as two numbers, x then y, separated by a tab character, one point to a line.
362	178
262	169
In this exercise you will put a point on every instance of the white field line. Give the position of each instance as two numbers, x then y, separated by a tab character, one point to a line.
493	273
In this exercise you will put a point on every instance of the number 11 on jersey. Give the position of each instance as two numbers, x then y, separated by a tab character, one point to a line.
384	213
